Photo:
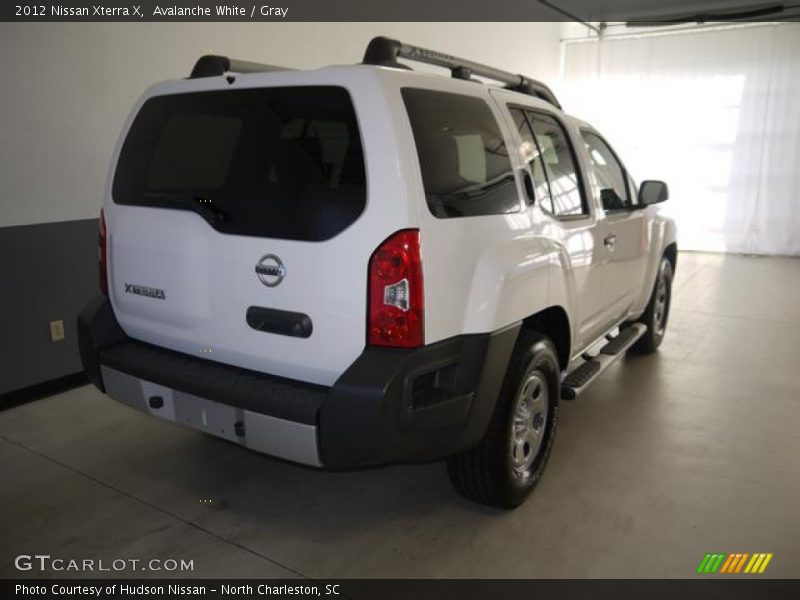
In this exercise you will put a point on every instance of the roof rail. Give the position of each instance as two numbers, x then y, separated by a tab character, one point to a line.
212	65
385	51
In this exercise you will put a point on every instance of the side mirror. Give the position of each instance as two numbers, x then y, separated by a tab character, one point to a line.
652	192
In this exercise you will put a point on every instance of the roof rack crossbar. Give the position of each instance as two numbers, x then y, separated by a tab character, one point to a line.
212	65
385	51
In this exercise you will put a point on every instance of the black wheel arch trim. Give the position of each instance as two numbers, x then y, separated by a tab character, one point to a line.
370	417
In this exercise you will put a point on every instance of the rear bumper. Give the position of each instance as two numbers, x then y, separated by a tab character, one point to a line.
389	406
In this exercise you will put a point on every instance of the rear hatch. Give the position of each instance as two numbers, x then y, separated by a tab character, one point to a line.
228	231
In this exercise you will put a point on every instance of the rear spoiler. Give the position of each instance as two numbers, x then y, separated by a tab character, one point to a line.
212	65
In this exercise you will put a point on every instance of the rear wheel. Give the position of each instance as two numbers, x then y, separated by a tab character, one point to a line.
656	314
506	465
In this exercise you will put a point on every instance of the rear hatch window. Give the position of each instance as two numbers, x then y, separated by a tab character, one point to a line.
281	163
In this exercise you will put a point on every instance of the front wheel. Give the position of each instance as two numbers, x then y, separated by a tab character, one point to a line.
656	314
506	465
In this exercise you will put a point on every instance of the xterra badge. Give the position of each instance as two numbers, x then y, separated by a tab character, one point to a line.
270	270
140	290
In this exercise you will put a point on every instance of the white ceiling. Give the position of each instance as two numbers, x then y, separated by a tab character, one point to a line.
626	10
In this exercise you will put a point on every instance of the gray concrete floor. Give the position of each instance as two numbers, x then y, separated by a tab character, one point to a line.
695	449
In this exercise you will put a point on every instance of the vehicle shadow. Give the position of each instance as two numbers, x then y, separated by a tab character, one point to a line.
234	491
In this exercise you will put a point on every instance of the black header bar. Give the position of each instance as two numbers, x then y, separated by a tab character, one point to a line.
357	10
711	587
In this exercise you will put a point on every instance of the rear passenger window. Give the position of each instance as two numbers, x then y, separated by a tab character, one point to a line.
463	157
559	165
533	156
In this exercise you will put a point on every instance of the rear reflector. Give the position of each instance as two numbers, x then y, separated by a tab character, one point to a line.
396	309
102	256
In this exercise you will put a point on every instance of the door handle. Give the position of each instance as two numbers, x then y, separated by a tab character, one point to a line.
610	241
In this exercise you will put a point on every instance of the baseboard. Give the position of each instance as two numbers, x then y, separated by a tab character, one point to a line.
42	390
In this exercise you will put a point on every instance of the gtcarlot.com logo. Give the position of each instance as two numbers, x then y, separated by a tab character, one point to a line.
45	562
736	562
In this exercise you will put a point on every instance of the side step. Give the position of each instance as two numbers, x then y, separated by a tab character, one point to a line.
580	378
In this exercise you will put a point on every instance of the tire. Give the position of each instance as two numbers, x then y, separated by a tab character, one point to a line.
492	473
656	314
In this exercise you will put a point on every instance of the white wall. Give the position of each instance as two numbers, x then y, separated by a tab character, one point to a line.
713	111
67	87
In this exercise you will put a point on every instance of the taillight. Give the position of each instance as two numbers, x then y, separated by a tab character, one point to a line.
396	310
102	255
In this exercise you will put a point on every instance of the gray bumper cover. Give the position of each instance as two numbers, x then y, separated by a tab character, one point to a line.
277	437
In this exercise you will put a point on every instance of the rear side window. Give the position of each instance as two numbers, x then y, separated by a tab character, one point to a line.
463	157
272	162
566	198
533	156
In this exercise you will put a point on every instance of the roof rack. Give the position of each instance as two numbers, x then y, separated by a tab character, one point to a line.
385	51
212	65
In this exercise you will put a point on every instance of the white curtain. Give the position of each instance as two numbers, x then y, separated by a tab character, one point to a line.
715	113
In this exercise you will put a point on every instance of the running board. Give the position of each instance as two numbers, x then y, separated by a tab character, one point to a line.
580	378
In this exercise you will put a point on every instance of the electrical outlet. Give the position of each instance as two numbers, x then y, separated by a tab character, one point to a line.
56	330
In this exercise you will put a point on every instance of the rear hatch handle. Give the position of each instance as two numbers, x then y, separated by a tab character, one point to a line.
282	322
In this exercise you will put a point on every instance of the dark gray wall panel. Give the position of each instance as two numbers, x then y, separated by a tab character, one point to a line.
48	272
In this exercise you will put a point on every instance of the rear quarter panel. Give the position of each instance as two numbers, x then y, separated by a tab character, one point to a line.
482	272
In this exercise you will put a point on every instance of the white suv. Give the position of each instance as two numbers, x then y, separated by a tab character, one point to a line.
361	265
